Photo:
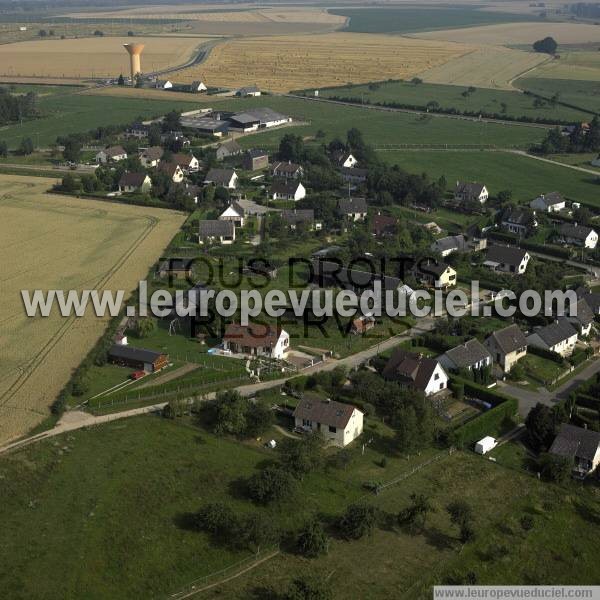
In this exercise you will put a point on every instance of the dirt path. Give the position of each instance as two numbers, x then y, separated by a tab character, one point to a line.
166	377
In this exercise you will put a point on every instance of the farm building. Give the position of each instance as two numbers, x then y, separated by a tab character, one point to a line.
337	422
137	358
256	340
206	125
257	118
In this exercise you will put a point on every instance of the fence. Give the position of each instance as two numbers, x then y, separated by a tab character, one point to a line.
416	468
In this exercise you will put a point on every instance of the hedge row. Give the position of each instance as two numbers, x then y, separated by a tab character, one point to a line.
588	401
553	356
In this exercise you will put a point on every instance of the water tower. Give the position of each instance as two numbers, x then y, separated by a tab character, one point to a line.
135	51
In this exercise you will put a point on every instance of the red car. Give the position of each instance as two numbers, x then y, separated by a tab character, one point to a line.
137	375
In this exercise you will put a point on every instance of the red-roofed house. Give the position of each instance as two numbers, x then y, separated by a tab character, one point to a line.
256	340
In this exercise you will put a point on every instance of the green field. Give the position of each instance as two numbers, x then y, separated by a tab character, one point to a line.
405	20
580	93
526	177
104	508
483	100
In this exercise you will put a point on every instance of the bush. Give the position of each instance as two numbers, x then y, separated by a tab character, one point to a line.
555	468
358	520
312	540
301	456
526	522
219	520
270	485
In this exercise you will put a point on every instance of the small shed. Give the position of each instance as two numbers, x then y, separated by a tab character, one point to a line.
486	444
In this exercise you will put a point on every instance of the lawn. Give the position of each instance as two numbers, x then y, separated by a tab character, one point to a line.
526	177
540	370
487	101
404	20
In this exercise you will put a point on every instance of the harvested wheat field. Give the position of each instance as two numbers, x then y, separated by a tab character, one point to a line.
92	57
517	33
488	67
57	242
283	63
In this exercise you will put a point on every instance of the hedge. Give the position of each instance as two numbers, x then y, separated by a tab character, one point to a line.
481	392
553	356
588	401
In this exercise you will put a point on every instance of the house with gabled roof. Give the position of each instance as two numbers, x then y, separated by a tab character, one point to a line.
470	191
415	370
210	231
470	356
227	149
339	423
226	178
518	220
256	339
449	244
592	299
287	190
197	87
188	162
579	446
287	170
345	160
508	259
507	346
300	217
548	203
234	213
135	182
559	337
172	170
438	275
255	159
249	90
354	174
383	225
150	157
352	209
584	318
111	154
578	235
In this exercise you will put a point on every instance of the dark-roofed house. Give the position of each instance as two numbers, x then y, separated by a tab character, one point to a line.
287	190
521	221
216	231
137	358
234	213
354	174
439	275
581	446
138	130
584	319
383	225
559	337
188	162
135	182
249	90
578	235
287	170
231	148
345	159
337	422
255	159
415	370
471	355
352	209
172	170
197	87
508	259
507	346
179	268
111	154
470	191
256	340
548	203
592	299
150	157
449	244
300	217
226	178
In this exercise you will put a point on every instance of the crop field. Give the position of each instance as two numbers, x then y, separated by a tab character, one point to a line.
91	57
500	102
526	177
55	242
580	65
101	498
577	92
488	66
405	20
517	33
284	63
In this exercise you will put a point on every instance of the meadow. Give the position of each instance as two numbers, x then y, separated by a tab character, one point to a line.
576	92
583	65
526	177
108	511
405	20
283	63
498	102
55	242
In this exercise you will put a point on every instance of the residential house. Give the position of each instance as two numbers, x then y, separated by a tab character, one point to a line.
592	299
448	245
383	225
188	162
433	228
362	324
137	358
210	231
354	174
150	157
437	275
231	148
163	84
508	259
287	190
548	203
256	340
295	218
176	268
135	182
226	178
190	190
578	235
197	87
345	160
559	337
172	170
287	170
255	160
507	346
466	192
580	446
470	356
234	213
111	154
352	209
138	130
415	370
250	90
521	221
338	423
584	318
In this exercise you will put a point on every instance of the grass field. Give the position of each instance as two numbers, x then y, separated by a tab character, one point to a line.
405	20
518	33
579	65
106	509
487	66
284	63
526	177
91	57
451	96
577	92
55	242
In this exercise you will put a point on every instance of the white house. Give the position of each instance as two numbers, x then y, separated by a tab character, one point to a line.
346	159
507	346
449	244
210	231
172	170
578	235
471	355
188	162
548	203
250	90
415	370
197	87
134	182
508	259
353	209
337	422
256	340
111	153
162	84
234	213
559	337
226	178
579	446
150	157
466	191
287	190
